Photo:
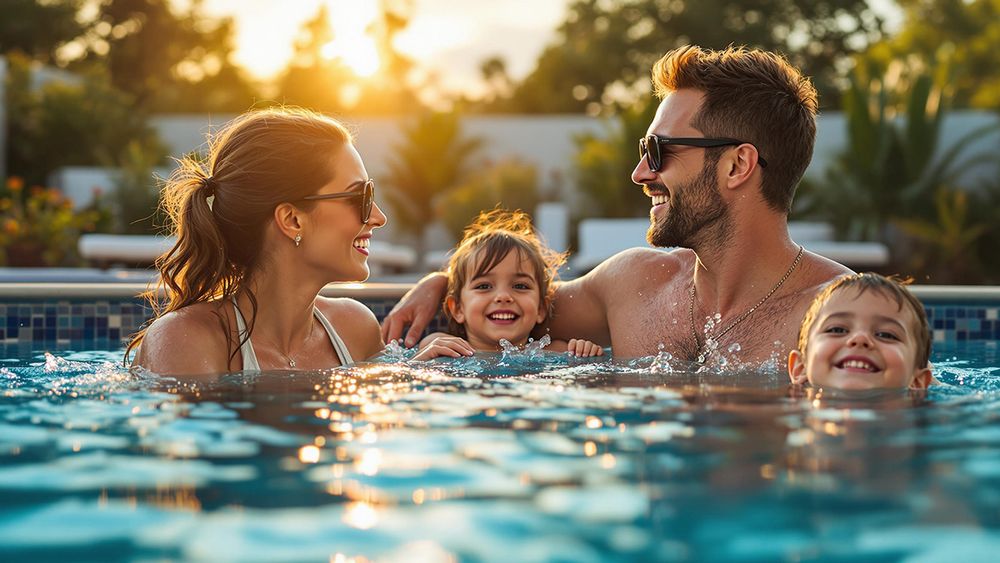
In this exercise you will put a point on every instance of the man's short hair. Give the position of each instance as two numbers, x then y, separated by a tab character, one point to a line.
754	96
892	287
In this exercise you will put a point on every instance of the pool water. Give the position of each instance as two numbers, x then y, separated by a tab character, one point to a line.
569	461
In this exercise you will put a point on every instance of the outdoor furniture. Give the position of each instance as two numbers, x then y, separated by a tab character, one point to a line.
602	238
106	250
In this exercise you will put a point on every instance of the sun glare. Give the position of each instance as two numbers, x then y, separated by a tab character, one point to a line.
351	43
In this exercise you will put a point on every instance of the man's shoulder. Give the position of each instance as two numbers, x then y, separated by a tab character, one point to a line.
644	260
820	270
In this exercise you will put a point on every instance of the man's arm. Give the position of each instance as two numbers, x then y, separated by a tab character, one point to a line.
416	309
579	309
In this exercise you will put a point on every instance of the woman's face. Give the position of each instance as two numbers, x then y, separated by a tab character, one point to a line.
335	239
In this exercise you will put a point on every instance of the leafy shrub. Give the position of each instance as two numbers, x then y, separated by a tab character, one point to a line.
39	227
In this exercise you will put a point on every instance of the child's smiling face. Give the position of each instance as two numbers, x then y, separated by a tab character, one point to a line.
504	303
861	341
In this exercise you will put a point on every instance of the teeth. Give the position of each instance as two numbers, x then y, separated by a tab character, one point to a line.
858	364
660	199
362	243
502	316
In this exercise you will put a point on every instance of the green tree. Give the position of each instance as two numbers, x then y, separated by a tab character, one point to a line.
167	61
390	91
310	79
88	123
605	50
604	164
38	29
318	81
433	158
963	33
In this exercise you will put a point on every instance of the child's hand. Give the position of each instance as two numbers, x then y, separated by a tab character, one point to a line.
450	346
583	348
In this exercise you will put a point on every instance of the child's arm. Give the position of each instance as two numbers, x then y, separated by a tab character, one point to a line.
439	344
576	347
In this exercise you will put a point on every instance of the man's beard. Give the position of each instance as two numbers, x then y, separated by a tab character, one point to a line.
697	215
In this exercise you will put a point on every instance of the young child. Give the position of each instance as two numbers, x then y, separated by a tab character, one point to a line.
499	287
863	331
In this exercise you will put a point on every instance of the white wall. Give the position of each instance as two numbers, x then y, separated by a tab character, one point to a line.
546	141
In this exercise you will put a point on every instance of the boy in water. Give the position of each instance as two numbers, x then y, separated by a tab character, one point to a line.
863	331
499	288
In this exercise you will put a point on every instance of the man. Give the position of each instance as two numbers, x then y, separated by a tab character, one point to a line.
731	138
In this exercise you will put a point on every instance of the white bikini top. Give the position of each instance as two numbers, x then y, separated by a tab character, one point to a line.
250	358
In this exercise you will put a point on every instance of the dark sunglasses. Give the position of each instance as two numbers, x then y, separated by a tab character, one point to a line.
649	147
366	196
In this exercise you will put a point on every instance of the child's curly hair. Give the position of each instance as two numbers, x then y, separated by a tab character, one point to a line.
486	242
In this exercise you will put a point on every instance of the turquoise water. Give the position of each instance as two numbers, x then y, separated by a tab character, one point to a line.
570	461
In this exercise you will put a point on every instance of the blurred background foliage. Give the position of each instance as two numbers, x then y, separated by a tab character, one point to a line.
512	184
111	64
431	160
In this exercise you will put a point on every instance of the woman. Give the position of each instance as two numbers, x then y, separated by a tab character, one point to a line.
282	207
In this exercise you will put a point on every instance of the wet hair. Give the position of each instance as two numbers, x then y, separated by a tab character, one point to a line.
754	96
219	208
892	287
486	242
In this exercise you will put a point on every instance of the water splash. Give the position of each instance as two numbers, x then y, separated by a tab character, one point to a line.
662	361
535	347
395	352
532	349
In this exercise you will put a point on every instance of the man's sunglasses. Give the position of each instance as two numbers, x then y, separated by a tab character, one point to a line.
649	147
366	196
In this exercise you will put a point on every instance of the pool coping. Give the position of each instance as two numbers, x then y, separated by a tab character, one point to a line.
30	290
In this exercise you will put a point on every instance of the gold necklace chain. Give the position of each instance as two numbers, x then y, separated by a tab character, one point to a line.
741	318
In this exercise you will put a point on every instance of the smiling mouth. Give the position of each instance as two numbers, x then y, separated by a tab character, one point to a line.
659	194
362	244
857	364
502	317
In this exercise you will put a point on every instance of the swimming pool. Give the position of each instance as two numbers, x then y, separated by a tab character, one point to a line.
567	462
576	463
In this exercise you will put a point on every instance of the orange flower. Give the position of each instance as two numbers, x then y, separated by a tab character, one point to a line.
15	183
11	227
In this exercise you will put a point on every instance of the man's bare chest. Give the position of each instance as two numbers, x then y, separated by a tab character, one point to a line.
643	325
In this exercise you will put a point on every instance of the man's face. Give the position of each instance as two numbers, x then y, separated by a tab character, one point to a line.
687	207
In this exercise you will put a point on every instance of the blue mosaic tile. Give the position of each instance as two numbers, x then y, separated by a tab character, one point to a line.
115	320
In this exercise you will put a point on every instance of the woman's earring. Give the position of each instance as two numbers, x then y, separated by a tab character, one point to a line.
298	239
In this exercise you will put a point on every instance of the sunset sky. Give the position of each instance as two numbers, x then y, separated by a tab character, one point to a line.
449	37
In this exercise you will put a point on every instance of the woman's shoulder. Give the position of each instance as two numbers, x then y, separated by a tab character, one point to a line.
197	320
333	307
355	323
197	330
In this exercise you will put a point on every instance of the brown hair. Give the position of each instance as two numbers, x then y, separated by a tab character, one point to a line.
891	286
486	242
754	96
255	162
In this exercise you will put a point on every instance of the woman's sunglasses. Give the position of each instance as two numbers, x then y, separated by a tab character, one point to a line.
365	195
649	147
